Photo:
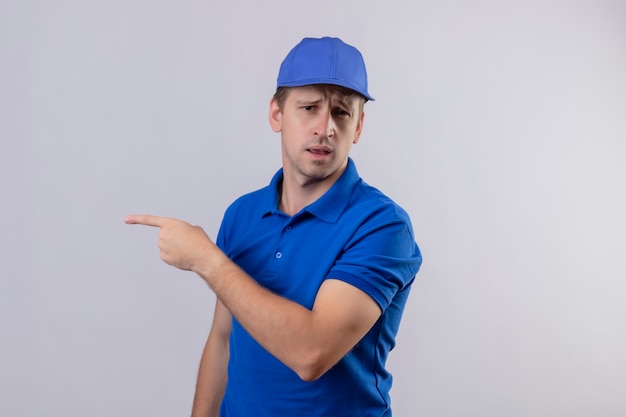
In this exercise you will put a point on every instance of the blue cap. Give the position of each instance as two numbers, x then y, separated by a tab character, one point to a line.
324	61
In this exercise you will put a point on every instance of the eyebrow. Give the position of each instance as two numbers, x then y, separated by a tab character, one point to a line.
308	101
339	99
343	100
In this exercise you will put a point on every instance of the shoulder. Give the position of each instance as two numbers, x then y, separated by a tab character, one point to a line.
242	213
374	205
377	224
260	201
249	203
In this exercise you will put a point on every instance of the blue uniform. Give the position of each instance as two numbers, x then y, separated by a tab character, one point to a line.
352	233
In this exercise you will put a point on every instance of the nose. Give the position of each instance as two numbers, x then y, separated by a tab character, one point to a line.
325	125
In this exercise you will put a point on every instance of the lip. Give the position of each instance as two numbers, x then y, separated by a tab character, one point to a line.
319	150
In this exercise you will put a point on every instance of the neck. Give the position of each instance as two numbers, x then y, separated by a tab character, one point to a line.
295	198
295	195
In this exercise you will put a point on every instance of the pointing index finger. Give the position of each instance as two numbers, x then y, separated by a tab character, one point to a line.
144	219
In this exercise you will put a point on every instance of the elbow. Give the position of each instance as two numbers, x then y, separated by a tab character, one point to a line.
309	375
312	368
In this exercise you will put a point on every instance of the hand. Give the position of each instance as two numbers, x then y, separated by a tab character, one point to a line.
182	245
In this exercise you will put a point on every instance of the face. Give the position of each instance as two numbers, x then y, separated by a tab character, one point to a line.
318	127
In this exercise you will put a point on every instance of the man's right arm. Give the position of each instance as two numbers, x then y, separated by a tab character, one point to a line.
213	375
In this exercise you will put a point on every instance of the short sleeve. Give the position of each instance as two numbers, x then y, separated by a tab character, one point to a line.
381	259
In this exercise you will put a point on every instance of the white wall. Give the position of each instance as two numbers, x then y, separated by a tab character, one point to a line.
500	126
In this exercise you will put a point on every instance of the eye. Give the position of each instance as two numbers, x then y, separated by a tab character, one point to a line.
341	113
308	108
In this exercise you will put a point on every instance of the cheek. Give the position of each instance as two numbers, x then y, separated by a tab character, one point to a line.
298	128
349	130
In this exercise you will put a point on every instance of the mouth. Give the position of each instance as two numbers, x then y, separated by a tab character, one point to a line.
319	150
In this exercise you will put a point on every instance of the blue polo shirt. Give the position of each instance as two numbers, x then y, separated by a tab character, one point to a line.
352	233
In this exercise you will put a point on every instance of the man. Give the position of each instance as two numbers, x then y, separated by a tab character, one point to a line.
311	273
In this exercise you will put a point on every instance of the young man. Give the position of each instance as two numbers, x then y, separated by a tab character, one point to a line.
311	273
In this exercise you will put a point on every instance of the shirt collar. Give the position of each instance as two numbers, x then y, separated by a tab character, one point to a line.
329	206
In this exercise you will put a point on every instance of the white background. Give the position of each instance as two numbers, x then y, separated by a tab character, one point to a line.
500	126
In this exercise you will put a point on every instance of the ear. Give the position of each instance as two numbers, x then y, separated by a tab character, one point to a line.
359	128
275	116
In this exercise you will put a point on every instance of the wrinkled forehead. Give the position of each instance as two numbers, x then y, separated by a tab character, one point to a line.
333	93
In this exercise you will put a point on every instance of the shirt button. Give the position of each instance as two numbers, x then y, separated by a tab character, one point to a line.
279	255
288	228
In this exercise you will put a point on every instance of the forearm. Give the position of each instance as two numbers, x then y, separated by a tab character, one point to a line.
282	327
212	374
